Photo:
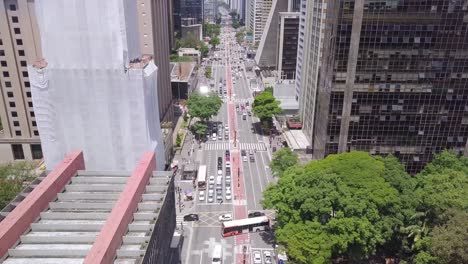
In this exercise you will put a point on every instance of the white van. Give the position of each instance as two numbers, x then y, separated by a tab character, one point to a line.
219	182
217	257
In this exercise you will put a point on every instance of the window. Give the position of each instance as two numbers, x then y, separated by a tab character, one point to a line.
6	74
34	124
23	63
14	114
18	133
36	151
12	104
1	42
2	53
27	84
30	104
36	133
3	63
32	114
28	94
14	19
16	123
17	150
13	7
10	94
17	30
25	74
21	52
19	42
8	84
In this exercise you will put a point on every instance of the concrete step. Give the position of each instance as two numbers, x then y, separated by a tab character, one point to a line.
50	250
94	188
130	253
144	216
86	173
73	216
38	227
43	261
68	196
99	180
152	197
139	227
155	189
136	239
148	206
159	181
70	206
59	237
125	261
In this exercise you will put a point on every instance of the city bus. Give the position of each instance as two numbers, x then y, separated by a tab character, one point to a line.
201	177
254	224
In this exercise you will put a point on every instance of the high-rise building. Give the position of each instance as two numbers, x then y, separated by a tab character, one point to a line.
259	11
192	9
386	77
155	40
94	90
210	11
19	46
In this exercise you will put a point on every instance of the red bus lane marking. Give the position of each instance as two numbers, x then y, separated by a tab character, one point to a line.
240	208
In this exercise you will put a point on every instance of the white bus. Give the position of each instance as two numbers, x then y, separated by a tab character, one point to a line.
254	224
201	177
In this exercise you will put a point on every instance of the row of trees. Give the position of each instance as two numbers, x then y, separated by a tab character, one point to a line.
192	41
235	19
354	208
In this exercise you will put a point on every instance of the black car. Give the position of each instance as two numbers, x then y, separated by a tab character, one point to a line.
227	153
191	217
255	214
228	172
220	161
243	153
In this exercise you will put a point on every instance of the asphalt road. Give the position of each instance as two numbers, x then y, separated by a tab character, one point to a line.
206	233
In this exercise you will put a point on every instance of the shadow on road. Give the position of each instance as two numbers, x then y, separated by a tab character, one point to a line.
268	237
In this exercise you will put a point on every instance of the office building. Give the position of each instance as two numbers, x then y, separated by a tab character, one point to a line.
19	46
190	26
155	37
259	11
210	11
387	77
95	94
192	9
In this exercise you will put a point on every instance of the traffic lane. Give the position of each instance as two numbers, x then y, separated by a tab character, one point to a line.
253	178
252	194
206	239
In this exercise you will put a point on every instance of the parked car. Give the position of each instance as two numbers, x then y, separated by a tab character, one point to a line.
257	258
191	217
225	217
255	214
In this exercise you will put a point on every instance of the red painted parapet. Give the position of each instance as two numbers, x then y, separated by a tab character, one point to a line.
28	210
110	238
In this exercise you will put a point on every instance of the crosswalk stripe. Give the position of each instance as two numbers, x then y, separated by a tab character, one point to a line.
253	146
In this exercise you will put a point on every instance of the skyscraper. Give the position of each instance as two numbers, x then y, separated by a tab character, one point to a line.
93	90
259	11
19	46
192	9
386	77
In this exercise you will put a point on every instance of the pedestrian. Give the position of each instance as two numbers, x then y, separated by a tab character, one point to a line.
221	202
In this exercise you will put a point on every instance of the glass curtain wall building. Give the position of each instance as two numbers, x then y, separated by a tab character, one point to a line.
393	78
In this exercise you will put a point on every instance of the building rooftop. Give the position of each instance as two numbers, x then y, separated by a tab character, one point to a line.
181	71
88	211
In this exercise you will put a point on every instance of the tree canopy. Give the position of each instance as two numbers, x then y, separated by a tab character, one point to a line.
265	105
199	128
208	72
214	41
211	30
202	106
354	206
282	160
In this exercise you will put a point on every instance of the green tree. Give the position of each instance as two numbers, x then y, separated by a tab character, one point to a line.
208	72
214	42
200	128
282	160
240	36
178	140
203	107
12	177
449	242
235	24
190	41
349	208
204	49
176	58
265	106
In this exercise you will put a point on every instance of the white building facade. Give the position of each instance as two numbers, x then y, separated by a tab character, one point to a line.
94	91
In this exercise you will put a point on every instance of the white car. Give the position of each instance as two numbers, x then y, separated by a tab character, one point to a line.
210	199
220	172
228	194
228	164
226	127
201	196
212	180
225	217
267	257
257	258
